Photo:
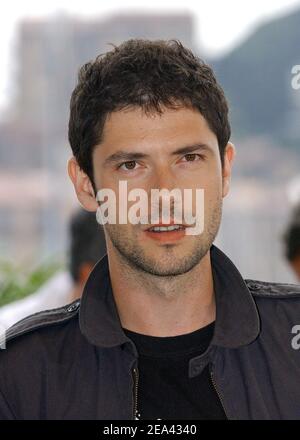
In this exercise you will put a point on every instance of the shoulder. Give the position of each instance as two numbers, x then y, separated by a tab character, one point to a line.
38	339
34	349
277	303
278	307
46	319
271	290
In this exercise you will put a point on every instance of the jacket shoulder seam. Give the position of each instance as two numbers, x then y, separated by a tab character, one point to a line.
42	319
269	289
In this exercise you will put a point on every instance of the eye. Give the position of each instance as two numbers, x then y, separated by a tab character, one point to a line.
129	165
192	157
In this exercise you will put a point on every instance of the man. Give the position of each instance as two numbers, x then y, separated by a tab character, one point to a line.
292	242
167	328
86	247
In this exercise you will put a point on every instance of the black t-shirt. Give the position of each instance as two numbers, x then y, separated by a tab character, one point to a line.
165	390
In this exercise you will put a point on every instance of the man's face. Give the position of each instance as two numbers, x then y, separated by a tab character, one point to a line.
145	151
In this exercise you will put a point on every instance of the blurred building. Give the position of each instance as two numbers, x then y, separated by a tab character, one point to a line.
49	54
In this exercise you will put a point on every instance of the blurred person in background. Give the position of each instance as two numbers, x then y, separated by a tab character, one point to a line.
292	241
86	247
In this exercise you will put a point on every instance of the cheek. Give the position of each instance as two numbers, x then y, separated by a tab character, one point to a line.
209	175
212	186
107	180
212	198
210	181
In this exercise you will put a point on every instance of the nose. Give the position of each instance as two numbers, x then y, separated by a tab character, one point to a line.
163	177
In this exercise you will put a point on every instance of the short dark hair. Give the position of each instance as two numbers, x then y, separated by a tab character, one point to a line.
148	74
291	236
86	241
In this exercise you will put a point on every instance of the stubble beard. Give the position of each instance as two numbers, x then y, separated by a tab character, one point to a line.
135	256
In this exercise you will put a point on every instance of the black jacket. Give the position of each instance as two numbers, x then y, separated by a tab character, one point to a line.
75	362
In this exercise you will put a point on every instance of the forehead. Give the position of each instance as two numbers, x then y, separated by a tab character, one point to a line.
134	128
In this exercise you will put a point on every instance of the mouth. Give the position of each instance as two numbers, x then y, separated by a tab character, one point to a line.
166	233
166	228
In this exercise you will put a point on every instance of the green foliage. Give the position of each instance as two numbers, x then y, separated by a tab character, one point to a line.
16	283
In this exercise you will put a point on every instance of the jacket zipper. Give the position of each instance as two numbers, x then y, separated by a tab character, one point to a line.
217	392
135	392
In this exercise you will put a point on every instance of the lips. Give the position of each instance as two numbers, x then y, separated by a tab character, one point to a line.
166	233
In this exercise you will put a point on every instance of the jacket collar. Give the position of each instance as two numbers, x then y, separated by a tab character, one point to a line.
237	319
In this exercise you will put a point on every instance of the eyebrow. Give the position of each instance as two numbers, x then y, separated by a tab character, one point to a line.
126	156
190	148
123	156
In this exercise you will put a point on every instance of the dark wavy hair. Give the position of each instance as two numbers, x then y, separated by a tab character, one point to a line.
148	74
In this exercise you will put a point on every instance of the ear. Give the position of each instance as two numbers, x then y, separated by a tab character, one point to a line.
229	155
82	185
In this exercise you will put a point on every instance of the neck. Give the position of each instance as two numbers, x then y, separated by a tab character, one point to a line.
162	306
